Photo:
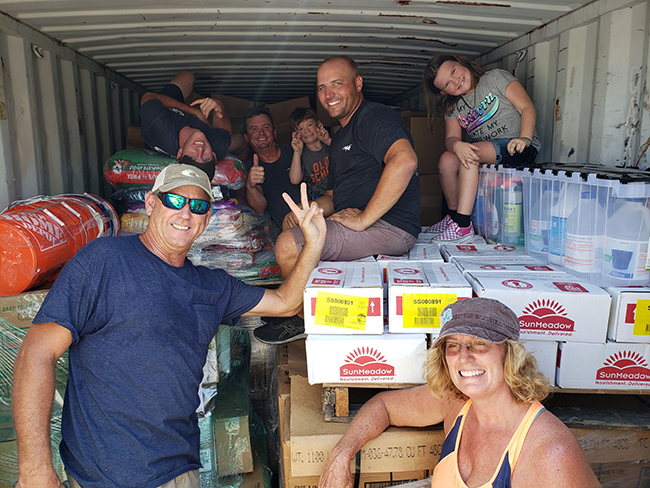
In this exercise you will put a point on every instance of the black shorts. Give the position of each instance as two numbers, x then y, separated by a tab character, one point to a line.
173	91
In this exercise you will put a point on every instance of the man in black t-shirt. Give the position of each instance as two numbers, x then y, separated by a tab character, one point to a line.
373	195
268	169
198	133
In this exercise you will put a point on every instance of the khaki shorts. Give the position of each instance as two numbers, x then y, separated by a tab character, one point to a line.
185	480
343	244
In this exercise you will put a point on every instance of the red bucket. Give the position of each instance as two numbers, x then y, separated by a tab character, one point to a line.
38	236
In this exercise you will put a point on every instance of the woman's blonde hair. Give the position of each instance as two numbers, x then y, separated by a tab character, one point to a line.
520	369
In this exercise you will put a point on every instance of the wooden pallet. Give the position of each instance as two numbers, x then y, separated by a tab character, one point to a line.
576	408
336	398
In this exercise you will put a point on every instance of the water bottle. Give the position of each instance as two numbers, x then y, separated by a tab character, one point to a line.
567	200
585	229
540	225
626	245
513	214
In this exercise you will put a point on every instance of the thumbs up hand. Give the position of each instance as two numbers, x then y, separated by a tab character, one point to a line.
256	174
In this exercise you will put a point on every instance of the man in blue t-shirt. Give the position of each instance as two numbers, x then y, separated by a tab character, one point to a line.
137	317
373	193
196	132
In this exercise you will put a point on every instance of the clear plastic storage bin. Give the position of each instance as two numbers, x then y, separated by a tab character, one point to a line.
594	223
498	210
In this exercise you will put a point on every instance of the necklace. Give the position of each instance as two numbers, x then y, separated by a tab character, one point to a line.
470	106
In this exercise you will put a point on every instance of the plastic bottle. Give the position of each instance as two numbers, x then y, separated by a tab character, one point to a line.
540	225
513	214
585	229
626	245
567	200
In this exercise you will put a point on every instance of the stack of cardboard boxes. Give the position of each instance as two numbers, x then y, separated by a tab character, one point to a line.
399	454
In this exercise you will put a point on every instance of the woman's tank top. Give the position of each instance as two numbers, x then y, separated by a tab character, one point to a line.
446	473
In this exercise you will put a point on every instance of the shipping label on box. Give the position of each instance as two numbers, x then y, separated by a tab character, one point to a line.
477	249
549	306
344	298
611	366
545	353
629	320
417	293
387	358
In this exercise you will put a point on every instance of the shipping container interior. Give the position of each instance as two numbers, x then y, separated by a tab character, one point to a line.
74	72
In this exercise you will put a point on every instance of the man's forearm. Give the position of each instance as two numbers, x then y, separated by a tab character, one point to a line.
291	290
392	184
33	393
256	200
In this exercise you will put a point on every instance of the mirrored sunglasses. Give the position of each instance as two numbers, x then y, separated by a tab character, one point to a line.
177	202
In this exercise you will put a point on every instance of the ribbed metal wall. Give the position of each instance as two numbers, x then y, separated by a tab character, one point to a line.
586	74
61	116
74	71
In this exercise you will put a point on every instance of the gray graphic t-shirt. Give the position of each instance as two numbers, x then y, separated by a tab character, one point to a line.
487	114
315	170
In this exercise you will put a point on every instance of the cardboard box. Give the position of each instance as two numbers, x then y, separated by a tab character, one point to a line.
17	312
282	111
387	358
420	253
134	138
232	444
397	450
611	366
475	249
430	199
629	319
546	354
344	298
429	144
613	445
631	474
549	306
417	293
495	259
487	266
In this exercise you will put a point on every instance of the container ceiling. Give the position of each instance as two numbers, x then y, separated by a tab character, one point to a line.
269	50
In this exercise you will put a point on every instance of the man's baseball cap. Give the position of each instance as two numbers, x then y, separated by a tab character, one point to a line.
483	318
176	175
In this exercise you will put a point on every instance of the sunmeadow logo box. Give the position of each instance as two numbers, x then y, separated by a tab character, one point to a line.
387	358
629	320
610	366
550	306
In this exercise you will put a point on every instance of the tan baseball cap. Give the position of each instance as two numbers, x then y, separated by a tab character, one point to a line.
482	318
176	175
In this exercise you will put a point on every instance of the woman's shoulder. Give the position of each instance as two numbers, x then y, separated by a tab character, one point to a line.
551	452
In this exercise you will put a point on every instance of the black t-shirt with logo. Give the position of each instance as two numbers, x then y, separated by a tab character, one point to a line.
357	162
161	126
